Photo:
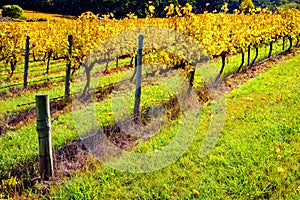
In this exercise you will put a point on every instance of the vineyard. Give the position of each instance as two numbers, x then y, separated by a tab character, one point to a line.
50	57
219	34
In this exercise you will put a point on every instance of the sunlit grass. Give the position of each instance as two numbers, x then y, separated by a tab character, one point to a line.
256	156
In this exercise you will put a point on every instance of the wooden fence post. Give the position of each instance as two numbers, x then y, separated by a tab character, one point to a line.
138	83
44	133
27	48
68	70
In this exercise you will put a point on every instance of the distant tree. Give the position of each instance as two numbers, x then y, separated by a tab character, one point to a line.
246	6
209	5
13	11
233	4
140	8
291	5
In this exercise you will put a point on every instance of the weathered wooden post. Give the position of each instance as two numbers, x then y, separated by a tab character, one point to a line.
27	48
44	133
138	83
68	70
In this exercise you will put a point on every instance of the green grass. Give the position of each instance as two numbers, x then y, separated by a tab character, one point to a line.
21	145
9	106
256	156
18	149
36	75
35	68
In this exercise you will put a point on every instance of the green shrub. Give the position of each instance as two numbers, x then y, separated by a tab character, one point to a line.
42	20
246	6
13	11
291	5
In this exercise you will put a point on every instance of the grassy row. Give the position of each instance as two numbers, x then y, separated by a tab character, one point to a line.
15	144
55	92
39	76
34	66
9	106
256	156
19	145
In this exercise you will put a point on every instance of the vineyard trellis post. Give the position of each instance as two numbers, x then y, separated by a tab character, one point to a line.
138	77
27	48
44	136
68	70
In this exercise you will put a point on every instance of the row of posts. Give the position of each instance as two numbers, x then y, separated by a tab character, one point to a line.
43	107
44	118
43	112
68	68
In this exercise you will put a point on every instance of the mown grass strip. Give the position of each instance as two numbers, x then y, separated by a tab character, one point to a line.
22	144
9	106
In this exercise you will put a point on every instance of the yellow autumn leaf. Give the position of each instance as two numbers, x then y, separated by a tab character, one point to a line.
196	192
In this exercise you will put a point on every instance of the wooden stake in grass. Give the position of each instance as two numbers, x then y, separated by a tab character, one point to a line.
44	133
138	77
27	48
